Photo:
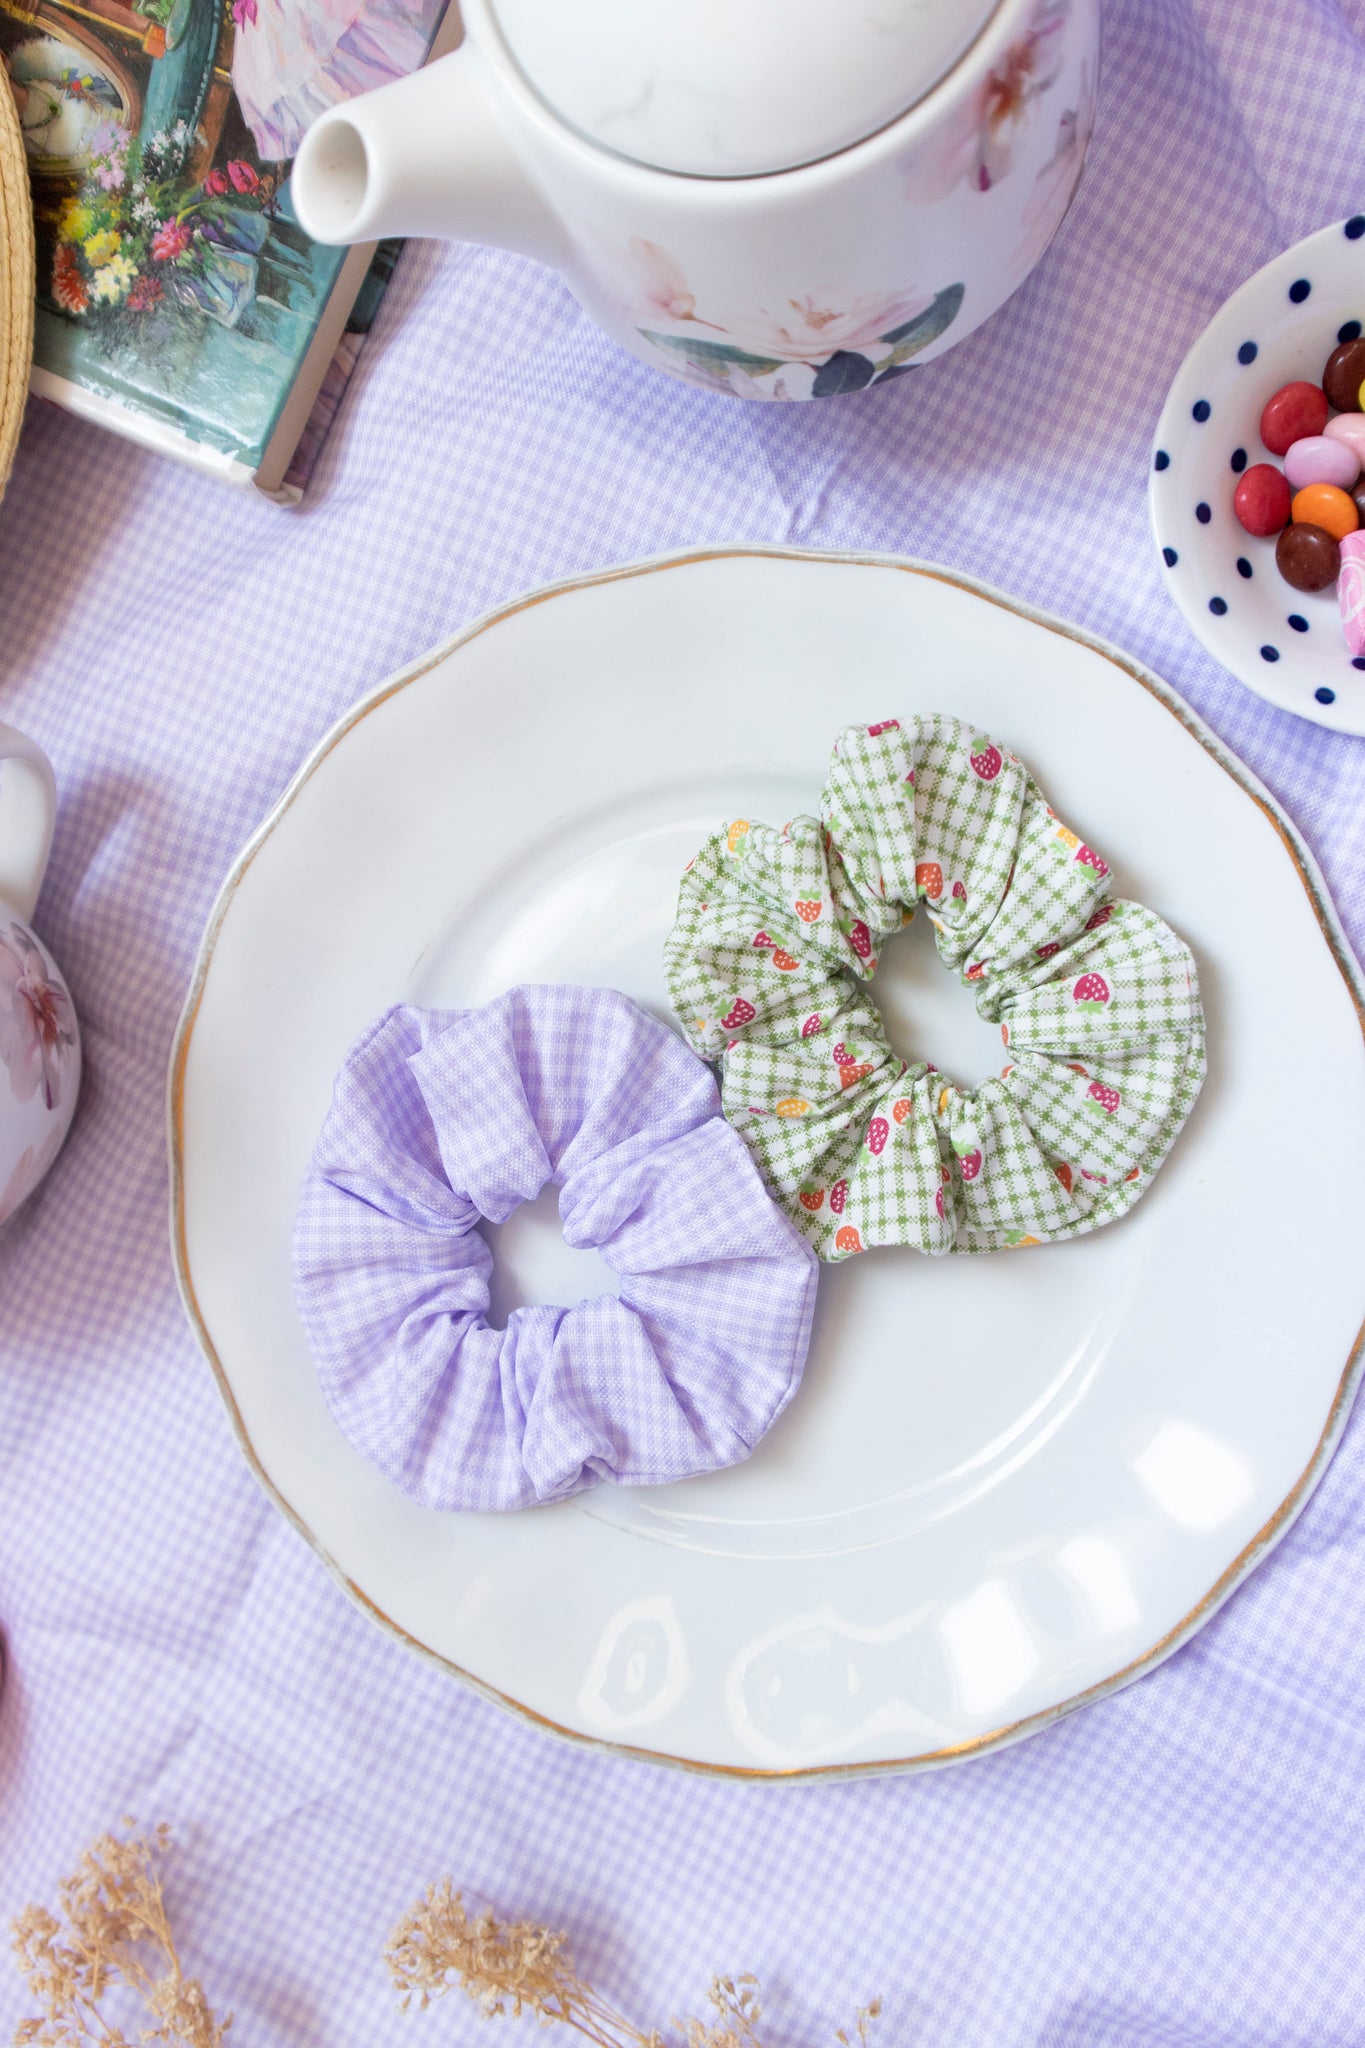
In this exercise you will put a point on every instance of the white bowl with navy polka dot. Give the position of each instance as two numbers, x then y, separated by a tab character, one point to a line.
1282	324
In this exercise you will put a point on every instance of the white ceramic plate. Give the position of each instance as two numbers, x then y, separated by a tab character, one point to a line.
1008	1484
1282	324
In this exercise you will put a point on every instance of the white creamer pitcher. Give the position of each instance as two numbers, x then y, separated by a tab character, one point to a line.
779	202
40	1050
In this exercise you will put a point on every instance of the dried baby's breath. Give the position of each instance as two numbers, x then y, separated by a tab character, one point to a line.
111	1928
505	1966
862	2025
510	1967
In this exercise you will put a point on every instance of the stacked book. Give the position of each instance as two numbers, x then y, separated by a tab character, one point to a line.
179	302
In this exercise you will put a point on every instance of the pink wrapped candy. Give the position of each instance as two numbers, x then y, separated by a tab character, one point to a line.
1351	590
1321	459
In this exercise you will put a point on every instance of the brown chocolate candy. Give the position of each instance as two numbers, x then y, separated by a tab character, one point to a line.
1357	497
1307	557
1343	375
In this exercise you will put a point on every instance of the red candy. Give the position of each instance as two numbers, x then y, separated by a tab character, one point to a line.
1295	411
1308	525
1261	500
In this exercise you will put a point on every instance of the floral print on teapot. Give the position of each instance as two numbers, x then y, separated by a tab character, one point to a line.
803	349
1000	146
977	144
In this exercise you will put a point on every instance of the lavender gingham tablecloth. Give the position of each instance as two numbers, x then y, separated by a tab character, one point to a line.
1180	1866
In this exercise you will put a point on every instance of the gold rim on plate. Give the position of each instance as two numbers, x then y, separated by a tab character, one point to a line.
1306	867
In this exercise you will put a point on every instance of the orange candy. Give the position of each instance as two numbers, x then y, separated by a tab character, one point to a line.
1325	506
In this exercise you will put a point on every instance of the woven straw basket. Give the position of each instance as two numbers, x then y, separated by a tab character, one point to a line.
16	278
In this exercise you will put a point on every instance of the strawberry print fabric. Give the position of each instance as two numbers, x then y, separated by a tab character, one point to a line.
440	1118
778	932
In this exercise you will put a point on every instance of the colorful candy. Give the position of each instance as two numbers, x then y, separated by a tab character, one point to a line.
1294	411
1322	459
1327	506
1314	507
1350	428
1342	375
1307	557
1351	591
1261	499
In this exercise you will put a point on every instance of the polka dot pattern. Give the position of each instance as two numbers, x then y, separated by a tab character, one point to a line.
1226	382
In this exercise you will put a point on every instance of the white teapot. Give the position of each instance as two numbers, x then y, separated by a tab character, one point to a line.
780	201
40	1050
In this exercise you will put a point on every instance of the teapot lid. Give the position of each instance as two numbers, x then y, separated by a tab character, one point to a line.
734	88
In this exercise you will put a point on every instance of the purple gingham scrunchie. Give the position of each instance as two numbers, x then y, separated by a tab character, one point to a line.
442	1117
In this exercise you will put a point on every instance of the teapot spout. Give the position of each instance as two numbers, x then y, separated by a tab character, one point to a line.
426	155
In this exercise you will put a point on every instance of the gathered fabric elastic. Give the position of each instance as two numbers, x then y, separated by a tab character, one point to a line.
442	1118
779	930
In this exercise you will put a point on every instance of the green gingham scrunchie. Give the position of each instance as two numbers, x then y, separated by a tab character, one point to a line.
1097	1001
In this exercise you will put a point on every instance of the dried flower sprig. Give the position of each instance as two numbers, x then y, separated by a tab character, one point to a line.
508	1967
112	1928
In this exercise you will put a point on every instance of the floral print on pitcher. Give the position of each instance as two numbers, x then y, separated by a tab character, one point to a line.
28	1169
37	1021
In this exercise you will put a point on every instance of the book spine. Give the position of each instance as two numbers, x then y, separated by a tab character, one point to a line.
158	435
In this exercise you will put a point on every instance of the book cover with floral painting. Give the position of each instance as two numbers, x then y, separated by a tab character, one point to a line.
179	301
